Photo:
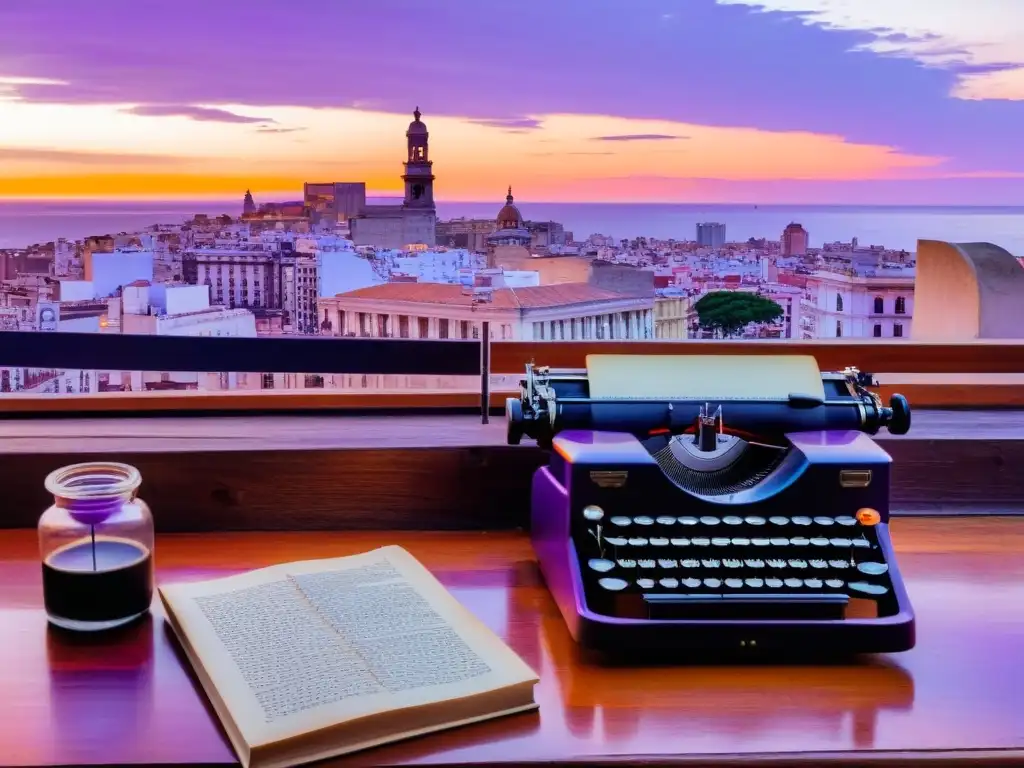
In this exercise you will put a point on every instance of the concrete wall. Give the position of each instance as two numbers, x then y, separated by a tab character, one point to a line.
967	291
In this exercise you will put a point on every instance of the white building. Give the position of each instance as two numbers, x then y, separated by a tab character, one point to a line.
446	311
111	271
441	311
839	305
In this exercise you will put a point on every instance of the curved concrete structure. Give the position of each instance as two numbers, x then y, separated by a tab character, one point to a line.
967	291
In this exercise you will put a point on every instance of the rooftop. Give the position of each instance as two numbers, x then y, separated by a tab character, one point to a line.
530	297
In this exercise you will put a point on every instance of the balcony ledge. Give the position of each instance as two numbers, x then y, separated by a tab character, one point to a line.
445	472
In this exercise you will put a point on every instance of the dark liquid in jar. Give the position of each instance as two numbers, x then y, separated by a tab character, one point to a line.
118	584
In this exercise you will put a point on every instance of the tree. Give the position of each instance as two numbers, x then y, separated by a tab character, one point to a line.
731	311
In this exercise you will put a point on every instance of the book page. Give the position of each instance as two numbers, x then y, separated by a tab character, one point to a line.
703	377
299	647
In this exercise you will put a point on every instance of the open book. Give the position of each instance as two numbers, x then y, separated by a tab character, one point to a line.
309	660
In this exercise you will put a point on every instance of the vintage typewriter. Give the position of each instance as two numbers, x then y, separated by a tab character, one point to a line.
715	503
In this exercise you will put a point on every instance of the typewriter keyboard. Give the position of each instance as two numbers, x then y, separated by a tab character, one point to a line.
733	566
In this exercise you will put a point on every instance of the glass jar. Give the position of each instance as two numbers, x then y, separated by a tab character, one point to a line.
96	544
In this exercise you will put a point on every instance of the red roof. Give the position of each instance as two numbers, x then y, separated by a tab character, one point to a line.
138	284
532	297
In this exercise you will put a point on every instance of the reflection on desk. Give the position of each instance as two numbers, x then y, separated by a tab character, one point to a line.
130	698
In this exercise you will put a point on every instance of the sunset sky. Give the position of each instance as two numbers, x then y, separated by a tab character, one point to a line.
805	101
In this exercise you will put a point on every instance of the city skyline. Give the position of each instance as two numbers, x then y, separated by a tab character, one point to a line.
767	101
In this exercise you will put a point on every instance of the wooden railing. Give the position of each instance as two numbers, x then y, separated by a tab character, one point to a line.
976	374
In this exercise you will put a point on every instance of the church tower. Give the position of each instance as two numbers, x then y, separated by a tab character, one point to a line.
248	204
419	174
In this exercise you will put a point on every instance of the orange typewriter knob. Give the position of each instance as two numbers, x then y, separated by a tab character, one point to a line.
868	516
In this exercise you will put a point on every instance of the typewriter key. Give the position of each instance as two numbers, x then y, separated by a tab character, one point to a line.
732	520
799	541
627	563
820	541
613	585
754	520
774	583
755	564
645	583
824	521
593	513
778	520
646	563
643	520
601	565
666	520
872	569
861	543
817	563
794	583
688	521
755	583
690	563
709	520
801	520
616	541
669	583
620	520
760	542
731	563
741	542
734	583
668	564
780	542
721	542
638	541
840	564
691	583
701	542
680	542
797	563
867	588
776	563
814	583
846	520
659	541
710	563
834	583
712	583
839	542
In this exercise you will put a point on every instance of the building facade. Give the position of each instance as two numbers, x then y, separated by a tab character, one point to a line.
259	276
841	305
711	235
795	240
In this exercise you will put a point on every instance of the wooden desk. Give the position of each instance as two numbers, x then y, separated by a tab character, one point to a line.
957	696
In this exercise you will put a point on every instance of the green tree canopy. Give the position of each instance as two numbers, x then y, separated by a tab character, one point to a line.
730	311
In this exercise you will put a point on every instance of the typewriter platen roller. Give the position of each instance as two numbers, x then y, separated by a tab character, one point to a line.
669	517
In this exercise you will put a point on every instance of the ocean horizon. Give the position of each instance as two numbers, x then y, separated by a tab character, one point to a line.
28	222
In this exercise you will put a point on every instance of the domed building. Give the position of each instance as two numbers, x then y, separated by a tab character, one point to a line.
509	229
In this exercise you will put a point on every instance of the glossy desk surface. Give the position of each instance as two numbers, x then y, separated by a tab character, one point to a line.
131	700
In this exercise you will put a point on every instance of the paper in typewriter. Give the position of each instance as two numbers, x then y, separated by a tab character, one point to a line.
703	377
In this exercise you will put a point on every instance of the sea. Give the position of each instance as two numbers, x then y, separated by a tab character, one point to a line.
24	223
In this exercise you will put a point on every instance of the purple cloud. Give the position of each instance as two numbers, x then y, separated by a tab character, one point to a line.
511	123
201	114
827	81
640	137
